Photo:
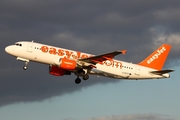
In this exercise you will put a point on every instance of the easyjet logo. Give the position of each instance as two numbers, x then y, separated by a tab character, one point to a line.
62	52
156	55
76	55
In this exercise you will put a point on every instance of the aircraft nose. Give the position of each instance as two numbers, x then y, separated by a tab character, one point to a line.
9	49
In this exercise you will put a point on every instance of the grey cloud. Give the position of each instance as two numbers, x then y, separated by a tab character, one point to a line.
90	26
134	117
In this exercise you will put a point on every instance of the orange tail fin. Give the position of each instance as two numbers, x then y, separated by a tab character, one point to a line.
157	59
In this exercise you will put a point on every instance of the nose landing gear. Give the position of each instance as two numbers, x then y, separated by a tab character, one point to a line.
25	66
24	60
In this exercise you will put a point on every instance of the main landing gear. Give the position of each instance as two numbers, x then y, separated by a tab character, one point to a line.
84	77
78	80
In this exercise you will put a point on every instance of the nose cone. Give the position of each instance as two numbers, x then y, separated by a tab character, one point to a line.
9	49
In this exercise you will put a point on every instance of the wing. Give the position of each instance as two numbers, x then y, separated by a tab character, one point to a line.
100	58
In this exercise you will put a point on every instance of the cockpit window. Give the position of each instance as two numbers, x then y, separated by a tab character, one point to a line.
18	44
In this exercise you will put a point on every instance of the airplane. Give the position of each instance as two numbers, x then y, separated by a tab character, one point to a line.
64	62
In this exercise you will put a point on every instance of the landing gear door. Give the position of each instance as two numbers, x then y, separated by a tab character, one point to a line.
30	47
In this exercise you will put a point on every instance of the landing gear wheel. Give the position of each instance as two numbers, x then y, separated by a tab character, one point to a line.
78	80
25	67
85	77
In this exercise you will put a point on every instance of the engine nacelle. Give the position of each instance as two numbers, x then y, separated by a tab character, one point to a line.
57	71
66	64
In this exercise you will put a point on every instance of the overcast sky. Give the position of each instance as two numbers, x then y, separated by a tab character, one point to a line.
94	26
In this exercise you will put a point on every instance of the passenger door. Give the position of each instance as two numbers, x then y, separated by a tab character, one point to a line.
30	47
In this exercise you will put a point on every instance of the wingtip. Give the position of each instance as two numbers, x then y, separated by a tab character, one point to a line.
123	52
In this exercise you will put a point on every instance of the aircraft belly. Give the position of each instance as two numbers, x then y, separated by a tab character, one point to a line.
123	74
107	72
37	57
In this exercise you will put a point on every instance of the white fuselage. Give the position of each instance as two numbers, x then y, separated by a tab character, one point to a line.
31	51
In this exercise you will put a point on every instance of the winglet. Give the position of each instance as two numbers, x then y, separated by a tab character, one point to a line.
123	52
157	59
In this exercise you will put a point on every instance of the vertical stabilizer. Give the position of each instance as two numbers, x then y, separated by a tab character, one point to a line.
157	59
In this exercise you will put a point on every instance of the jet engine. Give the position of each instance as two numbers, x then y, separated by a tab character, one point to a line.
65	64
57	71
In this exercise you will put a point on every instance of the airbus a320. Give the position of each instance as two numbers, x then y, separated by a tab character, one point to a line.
64	62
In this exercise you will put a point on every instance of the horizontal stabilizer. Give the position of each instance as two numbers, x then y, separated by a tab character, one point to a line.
161	72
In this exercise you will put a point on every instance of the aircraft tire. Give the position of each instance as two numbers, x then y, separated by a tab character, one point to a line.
25	67
78	80
85	77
